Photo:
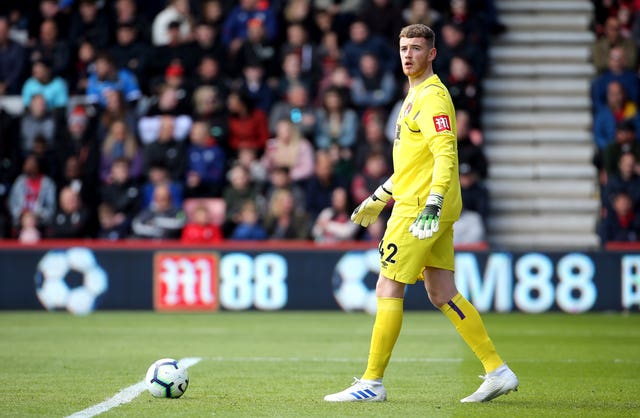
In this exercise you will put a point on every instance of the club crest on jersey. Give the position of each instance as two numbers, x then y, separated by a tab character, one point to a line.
442	123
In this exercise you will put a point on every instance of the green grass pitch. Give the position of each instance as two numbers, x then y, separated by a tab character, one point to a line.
281	364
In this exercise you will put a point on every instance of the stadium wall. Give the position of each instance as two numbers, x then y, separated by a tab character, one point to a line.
85	275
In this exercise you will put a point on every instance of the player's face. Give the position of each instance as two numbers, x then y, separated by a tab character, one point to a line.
416	56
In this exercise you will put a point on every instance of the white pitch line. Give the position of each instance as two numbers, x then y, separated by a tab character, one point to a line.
328	359
126	395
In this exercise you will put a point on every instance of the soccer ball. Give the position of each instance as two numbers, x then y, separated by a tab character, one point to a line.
167	378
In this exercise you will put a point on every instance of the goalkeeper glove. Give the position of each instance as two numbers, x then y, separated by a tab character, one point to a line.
367	212
428	221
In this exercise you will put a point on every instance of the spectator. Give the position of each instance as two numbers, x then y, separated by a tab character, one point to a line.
113	226
177	11
292	75
475	195
213	12
71	219
616	71
83	66
206	163
297	107
47	10
374	172
248	126
383	17
126	12
176	50
255	86
339	13
90	23
200	229
337	124
79	139
420	11
248	226
626	180
470	149
613	38
333	223
255	50
373	85
167	151
280	179
239	190
121	143
361	41
622	223
320	186
330	57
28	233
173	94
618	109
453	42
285	220
207	42
235	26
161	220
130	52
34	192
108	77
12	61
52	49
122	194
37	122
472	21
297	42
338	79
42	82
150	127
209	105
116	108
291	150
465	89
372	139
625	141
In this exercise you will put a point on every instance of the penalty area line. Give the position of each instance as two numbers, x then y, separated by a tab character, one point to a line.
126	395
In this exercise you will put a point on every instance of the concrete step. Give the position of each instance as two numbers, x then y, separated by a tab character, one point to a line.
573	6
546	21
526	86
509	69
558	188
556	222
545	205
565	154
531	102
546	240
546	53
560	135
542	171
556	37
536	120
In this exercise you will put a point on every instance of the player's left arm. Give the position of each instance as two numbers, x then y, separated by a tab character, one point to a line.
437	126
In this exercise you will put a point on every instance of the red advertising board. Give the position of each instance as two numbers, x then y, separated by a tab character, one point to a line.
185	281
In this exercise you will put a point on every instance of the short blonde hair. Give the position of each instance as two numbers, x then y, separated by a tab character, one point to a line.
419	30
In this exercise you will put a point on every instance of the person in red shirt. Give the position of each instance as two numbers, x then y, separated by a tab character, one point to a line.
200	229
248	126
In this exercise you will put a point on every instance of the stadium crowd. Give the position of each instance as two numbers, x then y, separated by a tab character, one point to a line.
615	93
208	120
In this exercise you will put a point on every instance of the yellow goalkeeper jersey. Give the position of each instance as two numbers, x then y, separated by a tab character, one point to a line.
425	152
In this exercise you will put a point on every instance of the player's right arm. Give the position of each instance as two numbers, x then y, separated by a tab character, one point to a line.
368	211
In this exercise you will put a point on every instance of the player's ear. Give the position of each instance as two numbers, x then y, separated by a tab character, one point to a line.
432	54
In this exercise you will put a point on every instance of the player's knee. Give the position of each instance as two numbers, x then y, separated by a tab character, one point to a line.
438	299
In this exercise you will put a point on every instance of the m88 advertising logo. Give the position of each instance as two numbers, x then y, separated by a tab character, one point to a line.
185	281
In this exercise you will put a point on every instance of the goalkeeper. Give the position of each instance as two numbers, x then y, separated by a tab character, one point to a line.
418	241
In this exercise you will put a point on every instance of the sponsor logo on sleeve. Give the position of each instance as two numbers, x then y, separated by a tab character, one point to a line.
442	123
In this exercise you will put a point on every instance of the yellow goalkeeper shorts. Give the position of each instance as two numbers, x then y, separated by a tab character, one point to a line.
404	257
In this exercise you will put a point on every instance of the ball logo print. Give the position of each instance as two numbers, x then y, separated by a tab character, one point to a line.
70	279
354	280
167	378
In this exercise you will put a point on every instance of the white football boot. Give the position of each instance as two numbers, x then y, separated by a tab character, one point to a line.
360	390
499	382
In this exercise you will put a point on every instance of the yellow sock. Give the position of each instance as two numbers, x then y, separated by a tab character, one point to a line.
385	333
467	321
